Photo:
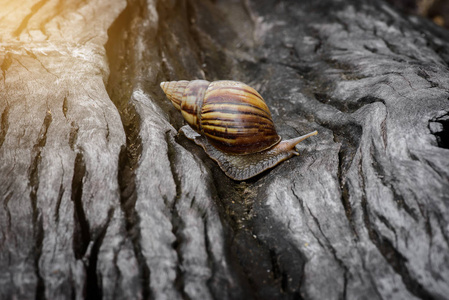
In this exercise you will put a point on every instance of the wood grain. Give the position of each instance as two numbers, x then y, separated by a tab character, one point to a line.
100	197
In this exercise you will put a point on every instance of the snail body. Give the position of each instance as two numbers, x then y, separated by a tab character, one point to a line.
232	123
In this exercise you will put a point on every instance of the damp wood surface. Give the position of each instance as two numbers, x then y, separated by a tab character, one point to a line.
101	198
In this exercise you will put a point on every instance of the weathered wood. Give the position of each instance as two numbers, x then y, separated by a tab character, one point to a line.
101	197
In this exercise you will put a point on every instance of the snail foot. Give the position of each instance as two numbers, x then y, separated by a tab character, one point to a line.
243	167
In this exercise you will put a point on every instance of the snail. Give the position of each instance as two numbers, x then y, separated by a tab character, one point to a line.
232	123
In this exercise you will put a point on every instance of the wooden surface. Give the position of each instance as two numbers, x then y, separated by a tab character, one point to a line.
101	198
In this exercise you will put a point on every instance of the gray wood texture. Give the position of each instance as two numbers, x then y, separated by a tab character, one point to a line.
100	197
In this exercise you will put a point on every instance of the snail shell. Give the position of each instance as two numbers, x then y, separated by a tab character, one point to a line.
232	123
231	114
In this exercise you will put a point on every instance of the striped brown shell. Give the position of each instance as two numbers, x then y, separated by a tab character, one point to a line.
230	114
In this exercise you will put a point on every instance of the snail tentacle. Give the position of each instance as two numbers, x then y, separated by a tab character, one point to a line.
290	144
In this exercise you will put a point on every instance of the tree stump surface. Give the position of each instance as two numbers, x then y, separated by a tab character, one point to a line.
100	197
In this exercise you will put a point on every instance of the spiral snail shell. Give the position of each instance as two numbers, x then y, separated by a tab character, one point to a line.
232	123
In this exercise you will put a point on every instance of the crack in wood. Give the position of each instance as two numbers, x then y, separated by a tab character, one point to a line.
300	201
58	201
210	261
443	229
389	252
128	196
81	231
331	248
58	10
33	182
94	289
34	9
119	90
387	179
366	221
387	223
344	191
108	131
65	107
423	74
8	229
4	124
176	219
439	127
32	55
73	136
7	61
